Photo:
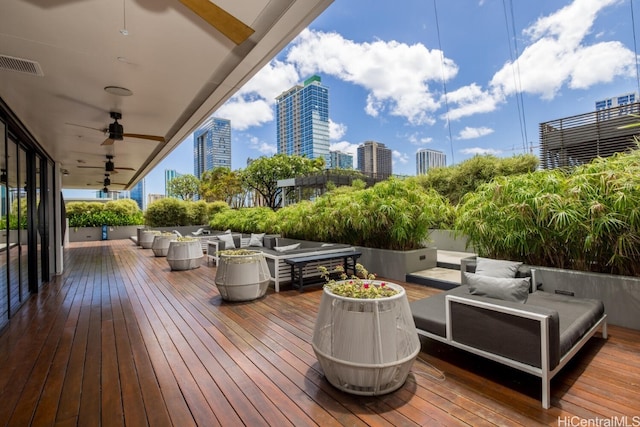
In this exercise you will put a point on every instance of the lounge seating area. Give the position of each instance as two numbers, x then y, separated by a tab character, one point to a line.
507	319
120	337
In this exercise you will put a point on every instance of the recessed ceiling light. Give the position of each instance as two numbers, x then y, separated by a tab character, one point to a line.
117	90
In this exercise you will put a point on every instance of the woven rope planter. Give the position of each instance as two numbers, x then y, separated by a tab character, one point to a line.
242	277
366	346
184	255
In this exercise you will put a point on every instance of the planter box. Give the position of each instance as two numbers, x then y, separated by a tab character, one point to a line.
446	240
242	277
365	346
90	234
147	237
395	265
160	246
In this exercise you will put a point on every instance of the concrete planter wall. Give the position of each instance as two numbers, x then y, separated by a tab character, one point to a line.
447	240
88	234
395	265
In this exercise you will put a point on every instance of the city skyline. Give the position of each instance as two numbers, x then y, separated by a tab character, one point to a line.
469	80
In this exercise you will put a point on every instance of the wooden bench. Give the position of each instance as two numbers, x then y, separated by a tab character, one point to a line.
349	259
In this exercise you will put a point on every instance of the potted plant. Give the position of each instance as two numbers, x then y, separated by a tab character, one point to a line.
160	246
364	337
184	253
242	274
146	238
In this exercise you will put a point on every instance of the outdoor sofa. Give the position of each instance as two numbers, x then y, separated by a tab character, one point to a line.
276	249
498	314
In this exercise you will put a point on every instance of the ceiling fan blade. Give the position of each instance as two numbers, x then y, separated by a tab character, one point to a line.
108	141
102	167
125	169
220	19
142	136
86	127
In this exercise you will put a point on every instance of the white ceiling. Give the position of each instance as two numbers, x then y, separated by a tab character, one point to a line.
179	68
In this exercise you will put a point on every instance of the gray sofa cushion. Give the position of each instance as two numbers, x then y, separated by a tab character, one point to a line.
577	315
496	267
429	313
516	289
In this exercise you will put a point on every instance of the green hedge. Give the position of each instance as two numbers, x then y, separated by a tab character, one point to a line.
96	214
171	212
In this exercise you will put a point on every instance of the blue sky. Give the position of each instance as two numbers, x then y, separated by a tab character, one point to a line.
506	65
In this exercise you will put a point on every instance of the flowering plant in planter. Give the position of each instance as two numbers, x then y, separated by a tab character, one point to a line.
237	252
362	285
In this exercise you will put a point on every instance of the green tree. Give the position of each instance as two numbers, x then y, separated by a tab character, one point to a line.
220	184
262	175
184	186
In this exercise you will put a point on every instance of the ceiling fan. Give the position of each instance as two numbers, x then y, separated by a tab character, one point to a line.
220	19
115	131
109	166
107	181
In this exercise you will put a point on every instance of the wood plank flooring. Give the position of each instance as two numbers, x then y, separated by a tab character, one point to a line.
119	339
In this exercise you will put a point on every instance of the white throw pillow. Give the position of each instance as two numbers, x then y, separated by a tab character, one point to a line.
287	248
256	239
228	241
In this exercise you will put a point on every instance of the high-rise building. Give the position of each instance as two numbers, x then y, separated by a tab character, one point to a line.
427	159
303	120
212	146
338	159
374	158
137	194
169	174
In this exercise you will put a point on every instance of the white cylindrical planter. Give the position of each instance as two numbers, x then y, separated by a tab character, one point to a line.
242	275
185	254
147	236
160	246
366	346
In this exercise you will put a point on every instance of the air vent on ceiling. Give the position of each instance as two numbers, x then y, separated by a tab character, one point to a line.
20	65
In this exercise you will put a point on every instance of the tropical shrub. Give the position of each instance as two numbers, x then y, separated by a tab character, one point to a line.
393	214
455	181
587	219
244	220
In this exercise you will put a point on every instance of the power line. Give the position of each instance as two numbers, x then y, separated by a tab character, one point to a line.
635	46
517	81
444	83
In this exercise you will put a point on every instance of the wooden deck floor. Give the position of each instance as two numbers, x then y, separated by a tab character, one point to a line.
120	339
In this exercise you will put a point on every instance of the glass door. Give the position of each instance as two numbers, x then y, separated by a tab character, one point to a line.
4	229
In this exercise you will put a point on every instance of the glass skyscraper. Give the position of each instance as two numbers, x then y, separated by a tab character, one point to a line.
340	160
137	194
303	120
212	146
169	174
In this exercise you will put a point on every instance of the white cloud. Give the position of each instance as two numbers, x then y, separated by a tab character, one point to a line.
336	130
557	55
416	139
264	148
396	75
469	100
471	133
253	104
399	157
480	151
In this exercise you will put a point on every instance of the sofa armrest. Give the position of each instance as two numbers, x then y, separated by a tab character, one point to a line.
524	335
